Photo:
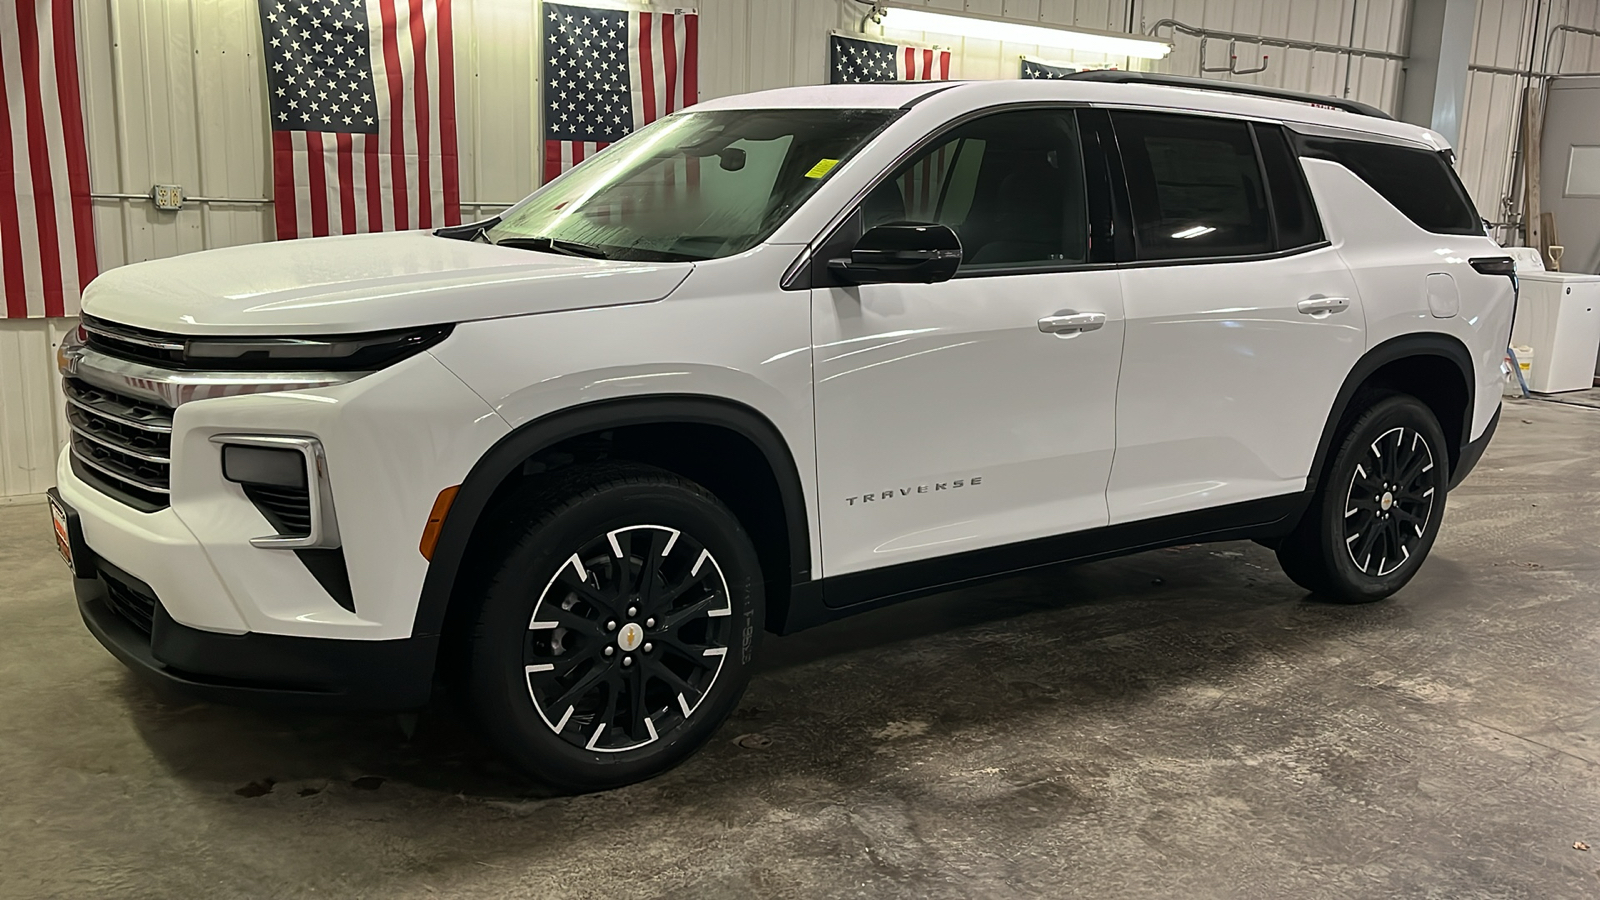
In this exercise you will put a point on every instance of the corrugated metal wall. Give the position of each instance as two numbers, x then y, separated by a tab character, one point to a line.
1505	40
31	423
1377	25
173	90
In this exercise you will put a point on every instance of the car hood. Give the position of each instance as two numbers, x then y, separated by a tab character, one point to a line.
366	282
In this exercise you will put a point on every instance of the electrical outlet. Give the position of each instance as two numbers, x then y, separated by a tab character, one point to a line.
167	196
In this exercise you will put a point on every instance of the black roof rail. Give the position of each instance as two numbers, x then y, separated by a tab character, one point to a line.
1117	76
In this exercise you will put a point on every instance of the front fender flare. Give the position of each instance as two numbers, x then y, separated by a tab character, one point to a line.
501	460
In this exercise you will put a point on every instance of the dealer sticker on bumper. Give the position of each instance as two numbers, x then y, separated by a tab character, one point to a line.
58	517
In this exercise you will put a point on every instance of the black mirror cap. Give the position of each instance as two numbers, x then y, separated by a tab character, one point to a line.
901	253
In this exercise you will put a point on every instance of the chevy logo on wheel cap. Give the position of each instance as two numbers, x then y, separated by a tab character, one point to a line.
630	637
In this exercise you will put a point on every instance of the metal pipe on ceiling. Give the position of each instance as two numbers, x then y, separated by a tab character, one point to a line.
1287	43
1561	31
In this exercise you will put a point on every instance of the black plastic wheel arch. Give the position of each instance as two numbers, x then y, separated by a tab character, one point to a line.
491	471
1393	350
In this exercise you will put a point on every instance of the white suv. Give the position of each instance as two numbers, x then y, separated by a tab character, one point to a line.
769	362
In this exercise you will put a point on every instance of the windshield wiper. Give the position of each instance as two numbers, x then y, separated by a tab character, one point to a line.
472	231
551	245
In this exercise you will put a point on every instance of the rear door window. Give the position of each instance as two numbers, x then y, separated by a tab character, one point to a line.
1196	186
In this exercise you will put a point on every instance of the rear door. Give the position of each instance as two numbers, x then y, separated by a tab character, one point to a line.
1241	320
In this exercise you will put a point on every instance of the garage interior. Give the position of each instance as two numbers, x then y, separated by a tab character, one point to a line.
1179	723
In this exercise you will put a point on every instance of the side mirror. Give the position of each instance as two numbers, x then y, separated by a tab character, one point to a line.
901	253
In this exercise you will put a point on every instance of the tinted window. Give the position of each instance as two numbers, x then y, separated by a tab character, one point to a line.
1415	181
1010	185
695	185
1196	186
1292	209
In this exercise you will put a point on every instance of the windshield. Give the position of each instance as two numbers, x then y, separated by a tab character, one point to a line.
691	186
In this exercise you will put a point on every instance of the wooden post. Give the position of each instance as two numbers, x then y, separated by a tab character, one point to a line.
1551	235
1530	170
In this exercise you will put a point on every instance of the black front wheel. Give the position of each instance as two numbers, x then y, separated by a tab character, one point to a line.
619	630
1378	509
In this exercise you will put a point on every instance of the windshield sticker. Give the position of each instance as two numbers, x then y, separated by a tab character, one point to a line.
823	167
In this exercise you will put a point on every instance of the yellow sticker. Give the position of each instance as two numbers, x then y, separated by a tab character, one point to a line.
822	168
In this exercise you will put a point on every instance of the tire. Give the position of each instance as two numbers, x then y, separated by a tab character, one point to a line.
1378	508
617	629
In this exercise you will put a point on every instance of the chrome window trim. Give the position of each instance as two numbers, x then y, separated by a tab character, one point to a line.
324	532
1354	134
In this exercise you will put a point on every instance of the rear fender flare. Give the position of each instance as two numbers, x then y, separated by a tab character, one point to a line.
1403	347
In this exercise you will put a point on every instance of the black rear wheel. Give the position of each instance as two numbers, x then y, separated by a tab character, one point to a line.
619	629
1378	508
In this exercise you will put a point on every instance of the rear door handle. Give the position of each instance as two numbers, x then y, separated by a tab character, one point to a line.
1069	321
1323	306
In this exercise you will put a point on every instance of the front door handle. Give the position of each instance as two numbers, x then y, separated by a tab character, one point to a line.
1069	321
1322	307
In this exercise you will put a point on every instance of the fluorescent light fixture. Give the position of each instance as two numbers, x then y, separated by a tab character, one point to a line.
1194	232
997	29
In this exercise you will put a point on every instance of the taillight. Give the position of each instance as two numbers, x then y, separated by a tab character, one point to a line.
1494	265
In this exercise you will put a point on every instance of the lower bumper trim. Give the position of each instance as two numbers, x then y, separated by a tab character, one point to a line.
1473	451
262	669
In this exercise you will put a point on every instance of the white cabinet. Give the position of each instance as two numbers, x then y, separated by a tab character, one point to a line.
1558	315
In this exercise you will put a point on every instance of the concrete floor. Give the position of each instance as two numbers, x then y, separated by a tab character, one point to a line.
1183	723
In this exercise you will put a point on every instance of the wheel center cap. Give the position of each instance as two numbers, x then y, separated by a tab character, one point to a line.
631	636
1387	501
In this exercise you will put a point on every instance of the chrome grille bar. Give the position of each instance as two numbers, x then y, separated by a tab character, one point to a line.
120	420
87	460
120	448
97	402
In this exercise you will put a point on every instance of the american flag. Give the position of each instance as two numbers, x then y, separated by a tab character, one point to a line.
922	185
47	251
858	60
1033	69
609	71
361	96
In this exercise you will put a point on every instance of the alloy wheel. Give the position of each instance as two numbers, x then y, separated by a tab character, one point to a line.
628	638
1390	501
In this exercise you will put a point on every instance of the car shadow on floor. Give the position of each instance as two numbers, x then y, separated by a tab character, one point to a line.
1041	646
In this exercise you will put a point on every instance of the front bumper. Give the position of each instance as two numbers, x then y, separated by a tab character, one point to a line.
187	595
250	669
392	441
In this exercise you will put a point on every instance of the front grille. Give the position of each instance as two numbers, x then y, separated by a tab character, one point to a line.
128	601
287	509
122	443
